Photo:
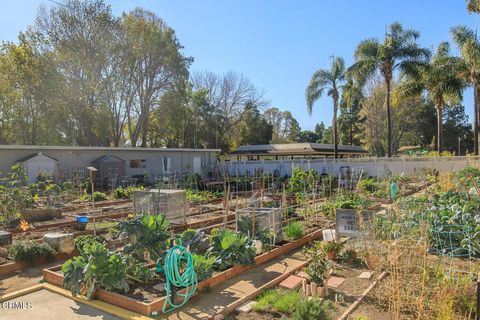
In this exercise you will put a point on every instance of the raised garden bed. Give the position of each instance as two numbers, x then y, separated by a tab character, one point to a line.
8	266
53	276
12	266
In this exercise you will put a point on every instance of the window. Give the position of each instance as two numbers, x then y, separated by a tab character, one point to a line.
138	163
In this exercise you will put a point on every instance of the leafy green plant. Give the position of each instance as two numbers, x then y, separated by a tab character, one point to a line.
120	193
278	300
73	275
202	196
231	248
333	246
318	267
146	233
293	230
97	196
303	181
361	318
196	240
203	266
89	239
187	235
14	195
313	309
125	193
467	177
30	251
374	187
137	270
344	201
96	268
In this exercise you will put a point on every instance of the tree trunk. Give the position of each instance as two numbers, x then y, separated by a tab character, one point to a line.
351	127
475	120
389	122
439	128
335	132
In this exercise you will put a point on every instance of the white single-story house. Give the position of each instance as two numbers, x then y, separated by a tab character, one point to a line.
65	161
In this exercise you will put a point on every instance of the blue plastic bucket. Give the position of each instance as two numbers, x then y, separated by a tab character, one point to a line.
82	219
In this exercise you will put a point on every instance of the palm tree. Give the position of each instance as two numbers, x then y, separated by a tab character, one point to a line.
441	78
330	79
469	46
399	51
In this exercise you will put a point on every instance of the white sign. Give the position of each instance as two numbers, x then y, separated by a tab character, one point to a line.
348	221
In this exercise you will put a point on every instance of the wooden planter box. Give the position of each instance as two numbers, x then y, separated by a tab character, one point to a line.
52	276
42	214
13	266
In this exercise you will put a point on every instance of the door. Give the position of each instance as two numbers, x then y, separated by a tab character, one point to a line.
166	165
197	165
36	167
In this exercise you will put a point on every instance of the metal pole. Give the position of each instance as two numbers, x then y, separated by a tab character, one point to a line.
478	298
459	139
93	202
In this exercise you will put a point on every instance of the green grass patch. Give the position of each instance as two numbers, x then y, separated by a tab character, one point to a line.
293	230
283	301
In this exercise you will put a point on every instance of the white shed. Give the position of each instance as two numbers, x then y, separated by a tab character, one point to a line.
37	163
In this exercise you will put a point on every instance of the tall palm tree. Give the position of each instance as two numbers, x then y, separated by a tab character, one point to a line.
469	46
330	79
441	78
399	51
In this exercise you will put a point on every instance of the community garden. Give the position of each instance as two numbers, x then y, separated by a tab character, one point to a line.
421	243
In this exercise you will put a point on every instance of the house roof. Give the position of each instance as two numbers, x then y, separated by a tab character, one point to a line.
106	149
107	157
297	149
33	155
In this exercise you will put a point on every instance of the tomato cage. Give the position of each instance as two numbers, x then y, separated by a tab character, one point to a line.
266	222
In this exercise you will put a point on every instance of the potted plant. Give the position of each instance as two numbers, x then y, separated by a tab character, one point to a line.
318	267
332	248
350	256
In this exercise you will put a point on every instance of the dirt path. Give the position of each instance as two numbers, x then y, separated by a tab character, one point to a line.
23	279
210	302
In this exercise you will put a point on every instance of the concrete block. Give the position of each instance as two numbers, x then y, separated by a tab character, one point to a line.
292	282
62	242
303	275
365	275
335	282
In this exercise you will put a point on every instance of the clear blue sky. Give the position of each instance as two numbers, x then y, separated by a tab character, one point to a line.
278	44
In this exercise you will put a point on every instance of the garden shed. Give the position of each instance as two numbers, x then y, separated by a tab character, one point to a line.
111	171
39	163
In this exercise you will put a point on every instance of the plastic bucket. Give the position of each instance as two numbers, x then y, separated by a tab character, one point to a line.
82	219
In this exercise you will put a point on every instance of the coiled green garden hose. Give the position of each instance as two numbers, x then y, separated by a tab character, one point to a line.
179	272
